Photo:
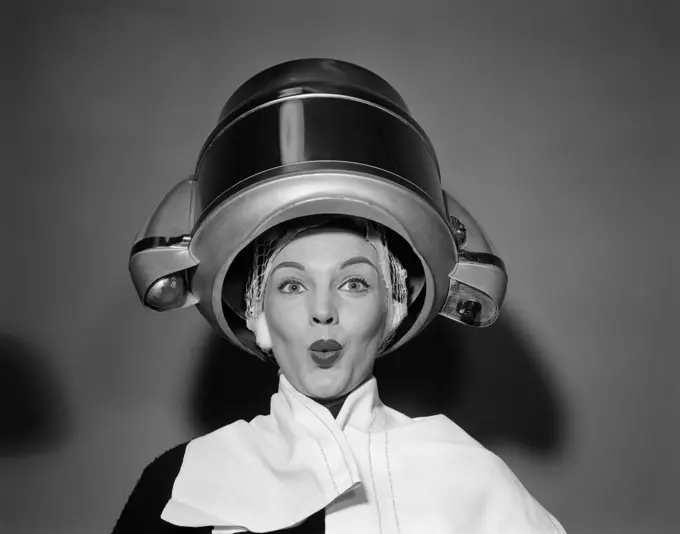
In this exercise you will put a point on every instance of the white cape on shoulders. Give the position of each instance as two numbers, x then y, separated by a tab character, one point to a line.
373	469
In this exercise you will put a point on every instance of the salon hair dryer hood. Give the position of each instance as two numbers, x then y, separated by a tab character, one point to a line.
303	138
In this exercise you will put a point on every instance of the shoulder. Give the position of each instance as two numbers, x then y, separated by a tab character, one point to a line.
444	447
150	494
167	465
159	475
433	428
439	459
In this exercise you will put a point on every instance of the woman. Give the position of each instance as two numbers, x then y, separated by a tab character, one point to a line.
321	255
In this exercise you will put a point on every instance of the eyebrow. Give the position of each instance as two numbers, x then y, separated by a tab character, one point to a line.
358	259
347	263
292	264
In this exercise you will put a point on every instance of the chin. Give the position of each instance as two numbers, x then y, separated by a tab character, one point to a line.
326	383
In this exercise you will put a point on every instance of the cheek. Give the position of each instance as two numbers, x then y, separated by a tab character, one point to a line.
365	319
286	320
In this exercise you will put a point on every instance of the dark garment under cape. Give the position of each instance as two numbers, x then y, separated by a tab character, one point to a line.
142	513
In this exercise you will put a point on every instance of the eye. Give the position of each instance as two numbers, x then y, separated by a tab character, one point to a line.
291	286
355	285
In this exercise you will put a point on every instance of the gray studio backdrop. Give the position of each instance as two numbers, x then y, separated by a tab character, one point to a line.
552	124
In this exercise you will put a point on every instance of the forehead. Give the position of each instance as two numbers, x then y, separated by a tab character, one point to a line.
326	246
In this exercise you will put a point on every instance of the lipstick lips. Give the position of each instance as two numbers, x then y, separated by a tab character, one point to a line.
325	352
323	345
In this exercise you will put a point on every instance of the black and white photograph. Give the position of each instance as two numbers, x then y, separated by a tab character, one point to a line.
359	267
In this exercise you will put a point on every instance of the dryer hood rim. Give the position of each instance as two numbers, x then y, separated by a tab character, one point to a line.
310	196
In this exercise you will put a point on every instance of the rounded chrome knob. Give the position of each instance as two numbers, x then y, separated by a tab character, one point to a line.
166	293
469	310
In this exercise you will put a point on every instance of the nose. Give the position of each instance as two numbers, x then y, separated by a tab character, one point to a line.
323	312
323	320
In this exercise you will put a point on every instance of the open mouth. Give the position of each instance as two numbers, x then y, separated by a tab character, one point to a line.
325	352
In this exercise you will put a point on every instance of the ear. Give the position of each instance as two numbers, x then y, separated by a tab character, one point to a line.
262	335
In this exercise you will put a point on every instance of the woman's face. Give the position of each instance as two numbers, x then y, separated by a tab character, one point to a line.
326	285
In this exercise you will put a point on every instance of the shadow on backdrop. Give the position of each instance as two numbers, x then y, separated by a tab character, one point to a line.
33	411
489	381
